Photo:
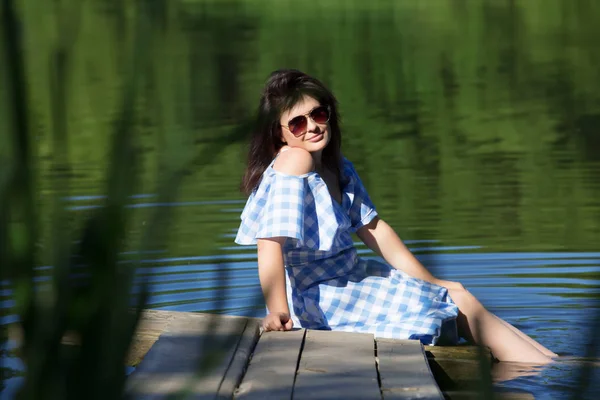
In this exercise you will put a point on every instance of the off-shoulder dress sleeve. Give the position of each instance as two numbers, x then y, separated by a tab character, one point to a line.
362	210
296	207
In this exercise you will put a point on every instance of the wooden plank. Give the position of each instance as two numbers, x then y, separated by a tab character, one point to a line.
240	359
455	374
337	365
172	363
151	325
473	395
456	367
272	369
404	371
462	352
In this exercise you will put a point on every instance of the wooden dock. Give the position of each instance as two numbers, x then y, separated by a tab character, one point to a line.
243	363
301	364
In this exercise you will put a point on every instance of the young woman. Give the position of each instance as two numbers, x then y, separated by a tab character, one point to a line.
305	200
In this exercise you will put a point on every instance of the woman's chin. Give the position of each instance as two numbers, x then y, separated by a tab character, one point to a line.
316	145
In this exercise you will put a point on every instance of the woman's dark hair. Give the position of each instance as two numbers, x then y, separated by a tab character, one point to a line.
283	89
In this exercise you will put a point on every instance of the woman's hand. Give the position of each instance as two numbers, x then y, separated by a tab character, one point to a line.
277	321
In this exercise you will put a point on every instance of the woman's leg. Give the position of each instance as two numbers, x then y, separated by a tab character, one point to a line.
531	341
482	327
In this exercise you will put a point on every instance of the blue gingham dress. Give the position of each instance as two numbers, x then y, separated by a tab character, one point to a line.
328	285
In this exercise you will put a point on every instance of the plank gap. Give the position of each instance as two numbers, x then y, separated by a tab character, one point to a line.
231	360
172	364
272	369
377	368
298	363
240	360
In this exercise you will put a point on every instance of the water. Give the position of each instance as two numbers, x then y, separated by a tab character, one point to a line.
473	126
551	296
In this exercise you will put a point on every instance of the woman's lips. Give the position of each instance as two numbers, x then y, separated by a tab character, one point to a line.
316	138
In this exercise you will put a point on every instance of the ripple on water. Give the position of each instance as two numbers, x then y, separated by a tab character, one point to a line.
552	297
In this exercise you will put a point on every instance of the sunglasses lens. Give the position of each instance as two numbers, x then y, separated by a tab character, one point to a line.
297	125
320	115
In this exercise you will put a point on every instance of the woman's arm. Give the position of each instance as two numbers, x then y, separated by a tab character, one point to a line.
382	239
271	273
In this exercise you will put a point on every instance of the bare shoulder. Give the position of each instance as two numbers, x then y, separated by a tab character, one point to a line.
294	161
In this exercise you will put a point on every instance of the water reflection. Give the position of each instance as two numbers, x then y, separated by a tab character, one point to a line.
477	144
508	371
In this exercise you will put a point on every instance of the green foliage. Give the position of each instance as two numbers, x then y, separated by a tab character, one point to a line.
90	294
106	326
482	115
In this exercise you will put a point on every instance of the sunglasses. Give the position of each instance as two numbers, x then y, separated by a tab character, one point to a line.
298	125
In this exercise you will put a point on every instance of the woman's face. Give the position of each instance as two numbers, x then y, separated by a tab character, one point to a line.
315	138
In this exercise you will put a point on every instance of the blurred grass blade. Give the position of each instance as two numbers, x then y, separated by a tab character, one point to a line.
585	372
21	231
111	324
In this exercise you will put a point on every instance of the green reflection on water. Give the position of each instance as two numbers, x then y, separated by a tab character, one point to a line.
473	123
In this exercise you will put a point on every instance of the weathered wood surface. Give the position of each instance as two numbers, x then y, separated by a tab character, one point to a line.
337	365
172	364
306	364
404	371
152	324
272	369
462	352
239	361
474	395
275	360
455	367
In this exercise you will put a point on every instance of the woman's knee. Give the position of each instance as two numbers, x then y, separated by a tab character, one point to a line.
465	301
